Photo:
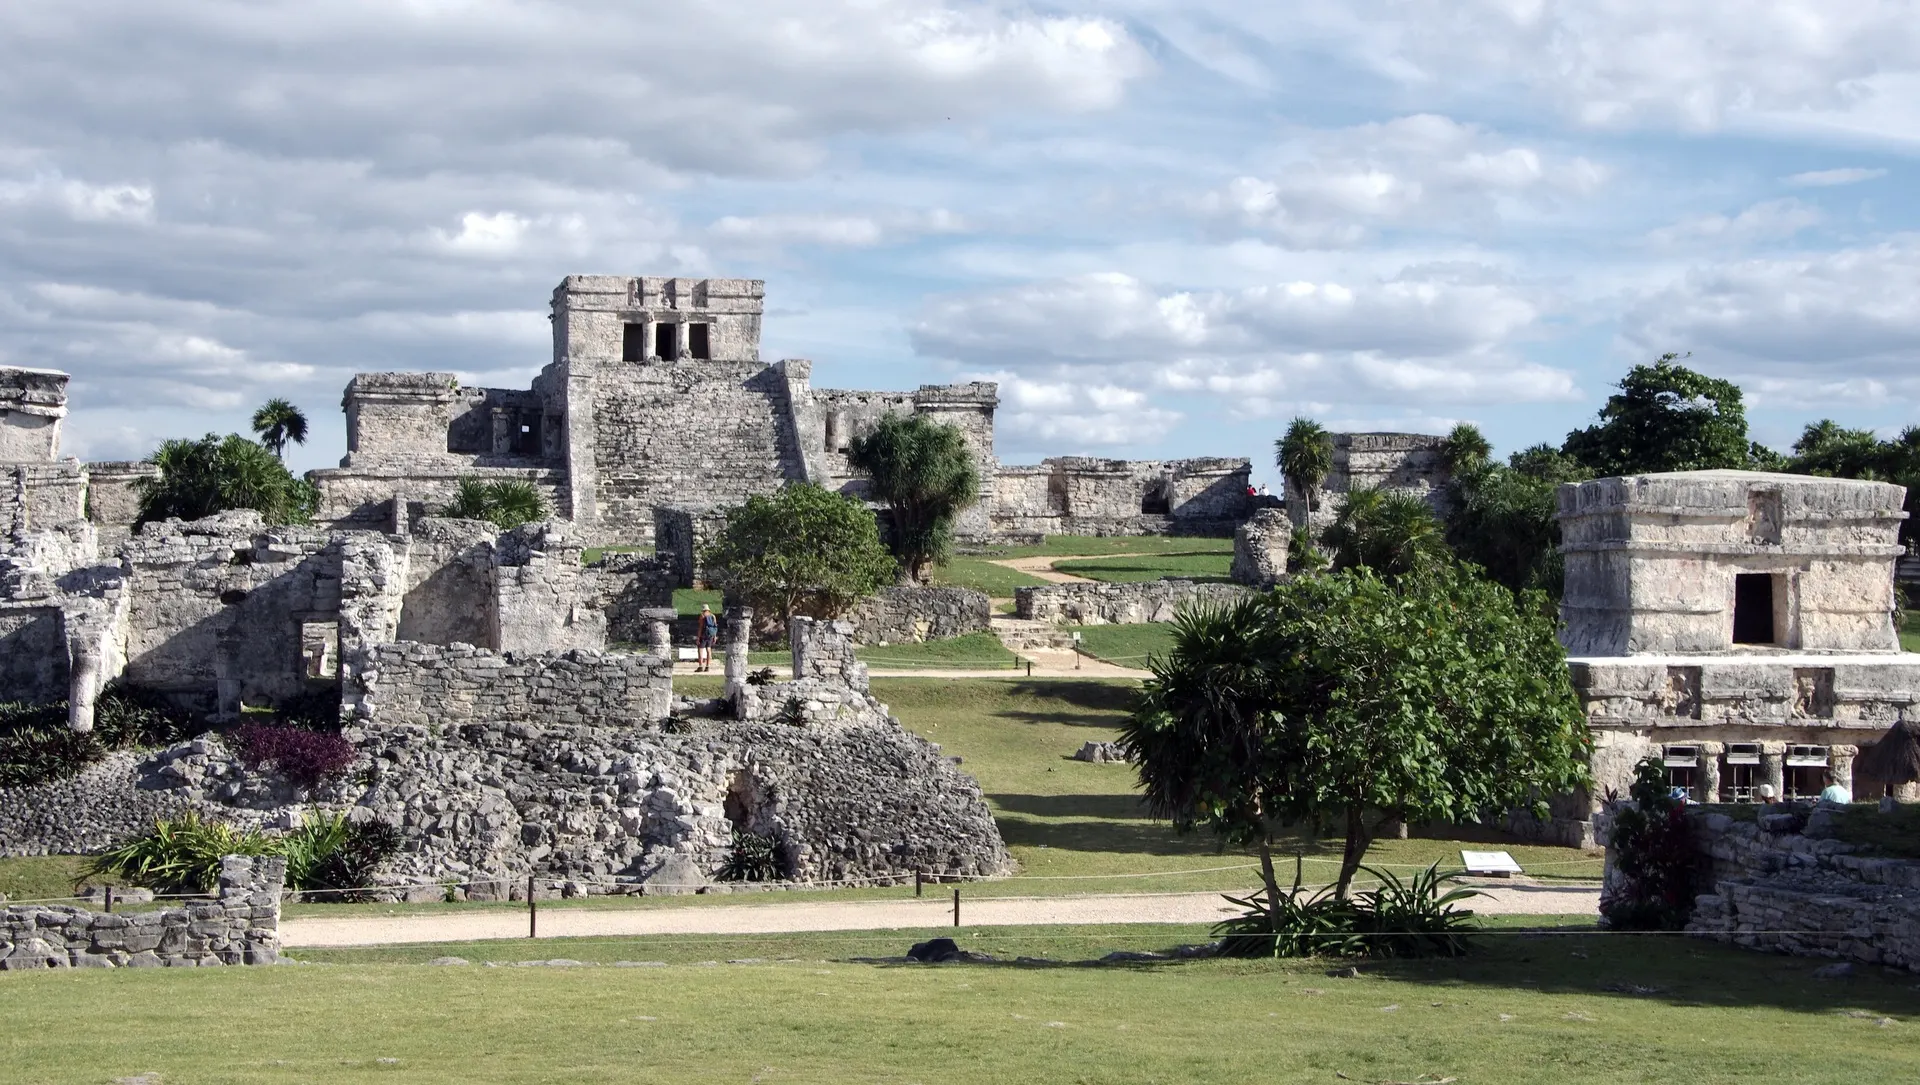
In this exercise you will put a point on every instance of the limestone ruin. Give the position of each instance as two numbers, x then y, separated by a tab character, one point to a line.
1739	625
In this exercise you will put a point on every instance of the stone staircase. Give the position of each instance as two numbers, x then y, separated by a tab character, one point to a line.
1025	635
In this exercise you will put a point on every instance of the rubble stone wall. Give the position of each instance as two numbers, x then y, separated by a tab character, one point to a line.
440	686
1095	603
904	614
1260	549
240	925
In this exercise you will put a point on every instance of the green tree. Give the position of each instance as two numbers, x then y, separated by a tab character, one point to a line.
1824	448
277	422
1506	519
216	474
803	551
1304	456
924	473
1340	702
1666	417
1390	532
1465	448
506	503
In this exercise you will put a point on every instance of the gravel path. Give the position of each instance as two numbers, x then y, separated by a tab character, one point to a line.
932	911
1041	568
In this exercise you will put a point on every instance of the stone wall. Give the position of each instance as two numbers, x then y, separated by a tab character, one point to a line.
36	496
1094	603
32	403
446	686
113	497
680	533
629	586
1260	549
1778	884
1082	495
240	925
905	614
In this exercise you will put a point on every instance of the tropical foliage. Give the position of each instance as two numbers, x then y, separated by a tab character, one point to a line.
1505	519
305	758
1652	887
506	503
1342	702
37	745
1304	456
277	422
802	550
925	474
1420	917
1667	417
754	857
1389	531
1824	448
328	854
218	474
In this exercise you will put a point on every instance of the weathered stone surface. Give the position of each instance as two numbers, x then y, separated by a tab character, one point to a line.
1260	549
239	926
1096	603
912	613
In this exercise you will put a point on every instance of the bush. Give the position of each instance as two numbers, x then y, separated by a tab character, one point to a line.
506	503
306	758
180	855
331	859
1398	919
37	746
754	858
1654	863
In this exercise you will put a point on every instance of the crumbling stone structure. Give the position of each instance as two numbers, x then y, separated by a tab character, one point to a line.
1737	624
1260	549
656	398
240	925
1408	463
908	614
1099	603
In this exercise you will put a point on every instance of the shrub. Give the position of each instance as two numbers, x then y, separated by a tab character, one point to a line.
1414	918
37	746
331	859
306	758
755	858
180	855
793	713
506	503
1653	859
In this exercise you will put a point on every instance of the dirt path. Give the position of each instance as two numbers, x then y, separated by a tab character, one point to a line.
932	911
1041	568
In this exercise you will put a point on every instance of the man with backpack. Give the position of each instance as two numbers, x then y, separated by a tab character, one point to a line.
706	630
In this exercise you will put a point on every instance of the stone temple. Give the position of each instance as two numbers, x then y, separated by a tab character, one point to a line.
1738	625
656	399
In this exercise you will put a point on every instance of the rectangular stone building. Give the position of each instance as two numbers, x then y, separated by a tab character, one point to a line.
1738	625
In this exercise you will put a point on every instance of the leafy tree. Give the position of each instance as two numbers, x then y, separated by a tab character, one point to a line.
1304	456
216	474
1340	701
506	503
1545	462
277	422
803	550
1826	449
924	472
1666	417
1465	448
1388	531
1506	519
1654	859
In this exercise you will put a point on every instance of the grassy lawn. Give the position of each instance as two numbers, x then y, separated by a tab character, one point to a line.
688	601
998	581
1910	631
1125	645
1568	1005
1128	568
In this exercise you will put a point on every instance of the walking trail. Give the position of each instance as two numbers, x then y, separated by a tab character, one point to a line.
917	913
1040	568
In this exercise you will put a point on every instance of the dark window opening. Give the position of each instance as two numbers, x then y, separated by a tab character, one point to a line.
1683	768
1739	781
1753	608
1805	782
633	343
526	438
1682	776
1155	502
697	341
666	341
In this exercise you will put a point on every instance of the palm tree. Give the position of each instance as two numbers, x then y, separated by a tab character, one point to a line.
1304	456
1465	448
1390	532
277	422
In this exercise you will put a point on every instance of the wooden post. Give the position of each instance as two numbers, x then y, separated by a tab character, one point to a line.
919	882
956	906
109	898
533	914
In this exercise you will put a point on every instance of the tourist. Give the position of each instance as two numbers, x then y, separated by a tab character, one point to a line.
1766	794
706	630
1835	792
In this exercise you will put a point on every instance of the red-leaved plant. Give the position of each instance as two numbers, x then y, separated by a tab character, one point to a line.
304	757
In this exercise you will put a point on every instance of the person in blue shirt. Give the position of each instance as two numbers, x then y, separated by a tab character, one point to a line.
706	630
1835	791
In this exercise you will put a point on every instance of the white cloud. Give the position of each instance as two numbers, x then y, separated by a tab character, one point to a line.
495	233
1771	220
1831	178
82	201
1836	323
1069	416
1334	187
845	231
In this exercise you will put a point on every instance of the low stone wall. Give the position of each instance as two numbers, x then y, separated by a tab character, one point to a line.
445	686
241	925
1777	888
629	586
910	613
1094	603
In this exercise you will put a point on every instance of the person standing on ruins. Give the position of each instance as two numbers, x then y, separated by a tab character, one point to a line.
706	630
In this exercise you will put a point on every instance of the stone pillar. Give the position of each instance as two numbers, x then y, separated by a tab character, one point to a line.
660	630
83	684
739	627
503	420
1709	789
1840	763
1773	767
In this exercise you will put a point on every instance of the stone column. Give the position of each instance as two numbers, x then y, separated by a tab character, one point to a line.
1709	789
502	431
1840	763
1773	767
739	627
660	630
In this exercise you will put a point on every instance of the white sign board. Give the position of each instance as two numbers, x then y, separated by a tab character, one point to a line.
1496	863
687	655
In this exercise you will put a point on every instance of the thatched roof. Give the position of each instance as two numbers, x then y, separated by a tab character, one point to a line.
1895	759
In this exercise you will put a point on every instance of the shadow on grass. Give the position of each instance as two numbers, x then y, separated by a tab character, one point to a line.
1092	695
1122	807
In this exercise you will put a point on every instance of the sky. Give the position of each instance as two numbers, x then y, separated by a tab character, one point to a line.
1164	226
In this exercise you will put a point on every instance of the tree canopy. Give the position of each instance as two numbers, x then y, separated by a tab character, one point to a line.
506	503
1304	456
1505	518
924	473
277	422
1340	702
217	474
803	551
1666	417
1388	531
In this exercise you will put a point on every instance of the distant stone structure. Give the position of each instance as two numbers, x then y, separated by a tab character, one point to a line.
1095	602
1260	549
1407	463
656	398
1739	625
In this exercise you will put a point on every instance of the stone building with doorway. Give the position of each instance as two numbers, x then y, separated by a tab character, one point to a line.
1738	625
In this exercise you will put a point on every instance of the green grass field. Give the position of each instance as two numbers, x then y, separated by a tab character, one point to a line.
1136	567
1569	1005
1910	631
998	581
688	601
1125	645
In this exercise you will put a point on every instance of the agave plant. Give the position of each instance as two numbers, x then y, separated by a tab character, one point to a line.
180	855
506	503
1414	918
755	857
